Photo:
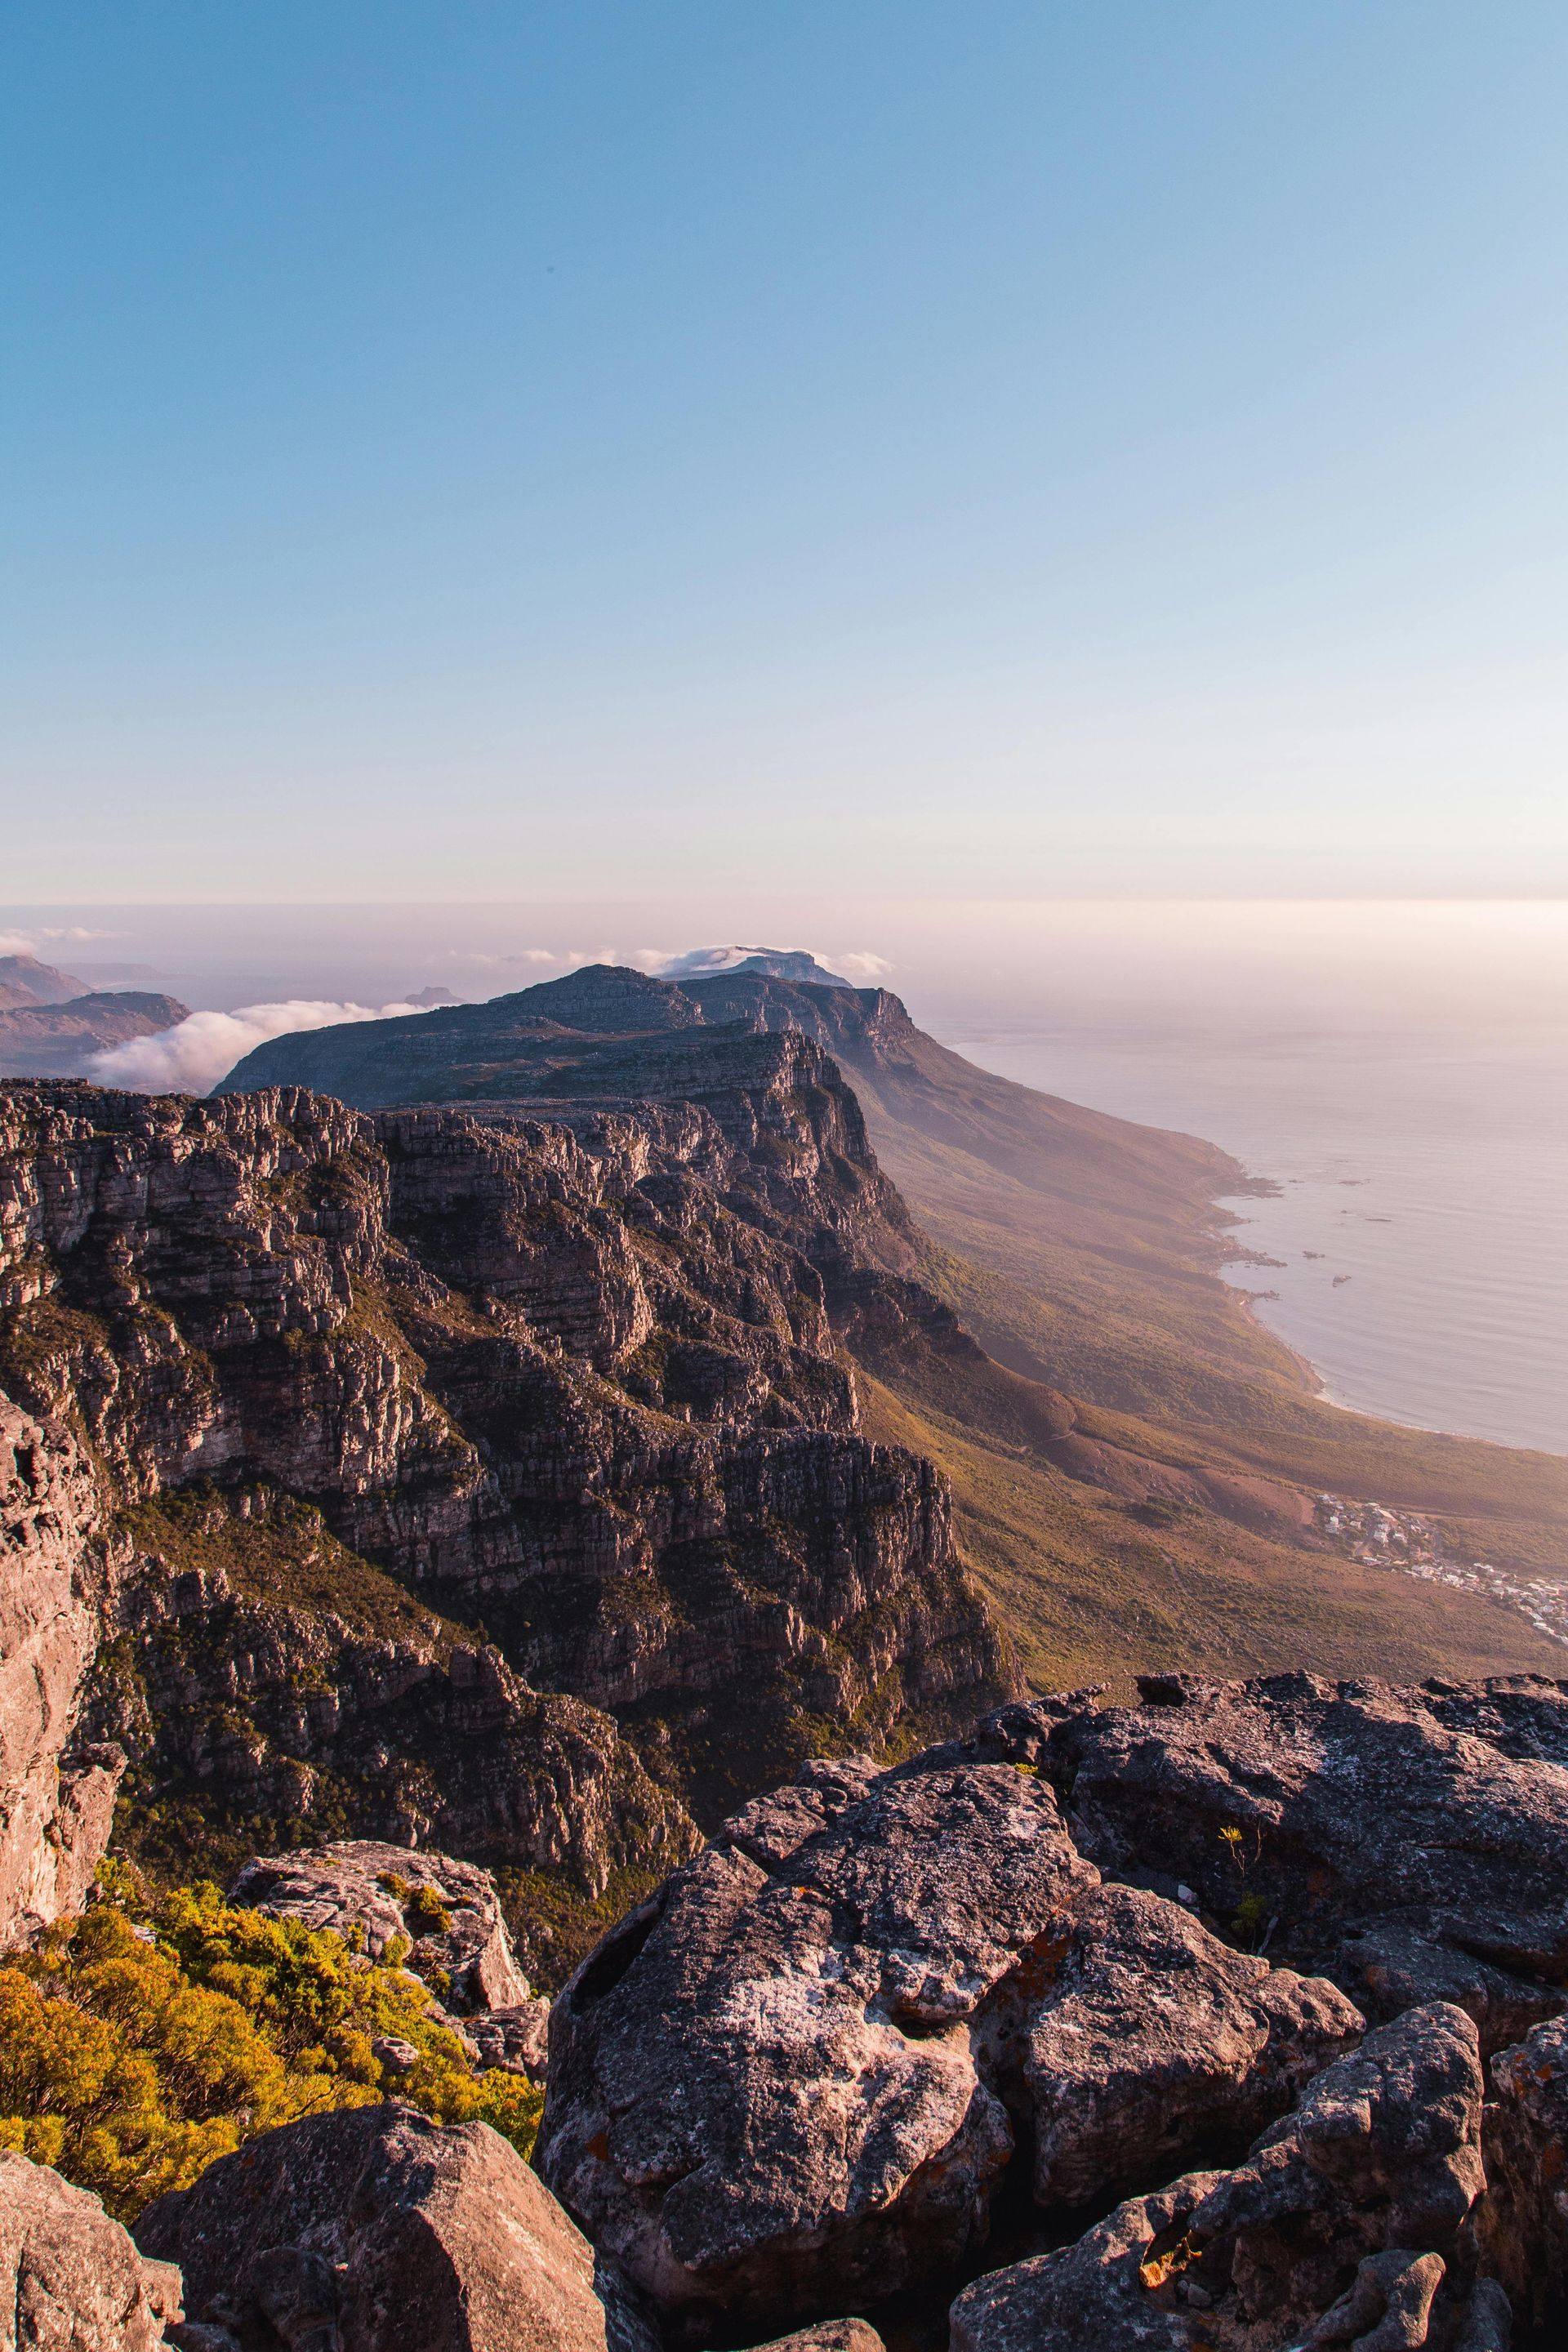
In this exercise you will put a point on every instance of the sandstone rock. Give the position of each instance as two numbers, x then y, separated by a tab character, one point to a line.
783	2086
56	1804
71	2280
376	2231
1524	2220
1155	2038
449	1911
1431	1823
516	2040
829	2335
1346	2223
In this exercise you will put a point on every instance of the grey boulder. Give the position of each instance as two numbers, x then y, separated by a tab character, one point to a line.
374	2230
71	2280
1347	2224
1524	2222
786	2084
1412	1842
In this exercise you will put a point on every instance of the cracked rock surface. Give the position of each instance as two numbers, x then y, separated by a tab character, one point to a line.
791	2082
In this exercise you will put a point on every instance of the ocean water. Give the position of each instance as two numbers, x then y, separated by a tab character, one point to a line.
1421	1220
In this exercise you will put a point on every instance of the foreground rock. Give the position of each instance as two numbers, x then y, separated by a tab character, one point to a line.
1346	2223
377	2230
71	2280
57	1803
1411	1843
783	2086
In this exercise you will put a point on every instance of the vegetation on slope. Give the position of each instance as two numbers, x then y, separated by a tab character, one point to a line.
146	2038
1092	1589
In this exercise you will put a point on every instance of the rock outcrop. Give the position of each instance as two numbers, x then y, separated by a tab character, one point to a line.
1347	2222
563	1408
57	1799
445	1915
1412	1845
446	1912
790	2083
379	2231
71	2280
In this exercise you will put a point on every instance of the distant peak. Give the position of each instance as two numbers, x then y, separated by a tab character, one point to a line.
772	963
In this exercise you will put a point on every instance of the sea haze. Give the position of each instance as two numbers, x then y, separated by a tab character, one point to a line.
1421	1219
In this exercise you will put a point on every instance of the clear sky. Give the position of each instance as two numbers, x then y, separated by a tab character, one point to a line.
477	449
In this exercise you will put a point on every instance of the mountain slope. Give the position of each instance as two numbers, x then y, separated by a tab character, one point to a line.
57	1041
1081	1251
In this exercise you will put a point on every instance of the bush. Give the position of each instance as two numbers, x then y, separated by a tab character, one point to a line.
143	2039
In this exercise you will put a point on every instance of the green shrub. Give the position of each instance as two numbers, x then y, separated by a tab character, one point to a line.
140	2041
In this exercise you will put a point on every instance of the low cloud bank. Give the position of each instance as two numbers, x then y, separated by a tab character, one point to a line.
190	1058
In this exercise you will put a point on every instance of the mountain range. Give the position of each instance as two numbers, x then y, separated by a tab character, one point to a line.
52	1024
1136	1463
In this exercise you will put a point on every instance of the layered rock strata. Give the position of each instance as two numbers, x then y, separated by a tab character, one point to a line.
570	1391
57	1795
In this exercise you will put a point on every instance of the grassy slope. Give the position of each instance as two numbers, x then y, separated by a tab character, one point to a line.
1089	1595
1105	1287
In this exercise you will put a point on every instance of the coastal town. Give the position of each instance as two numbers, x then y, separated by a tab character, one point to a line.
1377	1537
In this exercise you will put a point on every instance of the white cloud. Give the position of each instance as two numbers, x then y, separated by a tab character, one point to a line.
862	965
77	932
190	1058
15	943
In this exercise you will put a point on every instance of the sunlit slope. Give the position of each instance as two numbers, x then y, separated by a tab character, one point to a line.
1087	1594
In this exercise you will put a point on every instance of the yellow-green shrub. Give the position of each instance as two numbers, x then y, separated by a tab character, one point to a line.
140	2041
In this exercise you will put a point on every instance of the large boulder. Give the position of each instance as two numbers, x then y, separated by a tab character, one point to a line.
1347	2222
375	2230
785	2086
447	1912
1524	2220
1412	1844
71	2280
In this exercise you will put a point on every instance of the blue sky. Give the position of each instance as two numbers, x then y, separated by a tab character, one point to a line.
490	451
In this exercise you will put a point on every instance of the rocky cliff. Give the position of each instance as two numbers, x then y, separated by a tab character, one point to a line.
57	1796
483	1480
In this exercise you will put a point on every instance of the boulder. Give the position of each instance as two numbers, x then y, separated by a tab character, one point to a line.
449	1911
784	2085
374	2230
71	2280
1153	2038
829	2335
1524	2220
1346	2223
1412	1842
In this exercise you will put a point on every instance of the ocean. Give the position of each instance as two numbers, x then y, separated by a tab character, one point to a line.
1419	1233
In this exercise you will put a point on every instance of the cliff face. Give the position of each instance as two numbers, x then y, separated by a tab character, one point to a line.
56	1800
415	1419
